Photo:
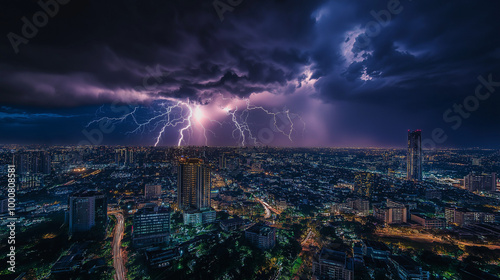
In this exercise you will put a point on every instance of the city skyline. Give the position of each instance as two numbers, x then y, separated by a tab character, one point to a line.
251	213
315	74
237	139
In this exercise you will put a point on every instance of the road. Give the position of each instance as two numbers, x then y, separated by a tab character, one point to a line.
268	208
307	237
118	260
429	238
268	212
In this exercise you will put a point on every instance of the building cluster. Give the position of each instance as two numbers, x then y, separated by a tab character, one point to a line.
172	196
125	157
31	166
481	183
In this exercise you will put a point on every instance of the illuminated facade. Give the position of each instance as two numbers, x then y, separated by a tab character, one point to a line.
151	226
88	210
414	156
193	185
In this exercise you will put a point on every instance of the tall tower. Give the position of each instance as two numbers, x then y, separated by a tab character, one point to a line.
88	211
193	185
414	156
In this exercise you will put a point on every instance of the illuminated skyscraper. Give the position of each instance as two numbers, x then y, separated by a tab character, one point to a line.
414	156
88	211
193	185
124	157
222	161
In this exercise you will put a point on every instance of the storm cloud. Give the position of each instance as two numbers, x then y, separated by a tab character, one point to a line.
363	71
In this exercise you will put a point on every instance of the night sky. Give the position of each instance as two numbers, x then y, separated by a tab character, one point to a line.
334	73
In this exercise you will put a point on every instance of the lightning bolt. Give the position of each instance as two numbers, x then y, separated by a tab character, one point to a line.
168	116
200	116
286	115
185	115
114	120
181	132
242	127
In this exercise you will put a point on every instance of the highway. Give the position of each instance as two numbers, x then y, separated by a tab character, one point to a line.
309	234
268	208
268	212
118	260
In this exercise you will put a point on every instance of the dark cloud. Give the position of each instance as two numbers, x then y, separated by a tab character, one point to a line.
413	69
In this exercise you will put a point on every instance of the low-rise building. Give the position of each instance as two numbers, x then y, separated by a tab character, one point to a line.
428	223
151	226
330	264
261	236
196	217
408	269
231	224
161	258
395	214
375	250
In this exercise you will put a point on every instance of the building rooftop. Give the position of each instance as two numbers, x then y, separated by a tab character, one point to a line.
332	256
87	193
260	229
152	208
407	263
236	220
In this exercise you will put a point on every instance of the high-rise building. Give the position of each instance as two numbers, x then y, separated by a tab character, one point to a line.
124	157
193	191
32	162
463	217
391	213
88	210
151	226
484	182
152	191
362	206
193	185
222	161
449	215
414	156
330	264
31	167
